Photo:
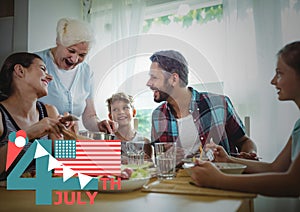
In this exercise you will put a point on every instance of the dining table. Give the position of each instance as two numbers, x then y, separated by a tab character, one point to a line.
158	195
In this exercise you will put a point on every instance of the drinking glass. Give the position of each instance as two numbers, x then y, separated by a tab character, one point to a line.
135	152
165	159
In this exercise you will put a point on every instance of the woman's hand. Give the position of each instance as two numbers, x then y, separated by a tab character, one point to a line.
69	123
206	174
43	127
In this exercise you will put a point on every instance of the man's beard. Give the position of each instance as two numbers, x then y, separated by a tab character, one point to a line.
162	97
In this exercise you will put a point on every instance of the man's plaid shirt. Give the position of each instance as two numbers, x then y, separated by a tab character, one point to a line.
213	115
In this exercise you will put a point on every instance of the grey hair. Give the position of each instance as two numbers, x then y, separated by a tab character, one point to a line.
72	31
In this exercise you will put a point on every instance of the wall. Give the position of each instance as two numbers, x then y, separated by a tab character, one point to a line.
6	41
6	8
31	24
43	16
6	28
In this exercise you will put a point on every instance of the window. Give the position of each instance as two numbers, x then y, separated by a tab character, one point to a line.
185	19
188	28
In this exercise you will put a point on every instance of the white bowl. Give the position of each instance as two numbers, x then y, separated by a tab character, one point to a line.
126	185
187	167
231	168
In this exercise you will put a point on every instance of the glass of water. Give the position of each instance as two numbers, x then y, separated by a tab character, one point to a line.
135	152
165	155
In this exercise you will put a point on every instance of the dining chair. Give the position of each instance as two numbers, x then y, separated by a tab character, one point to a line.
247	125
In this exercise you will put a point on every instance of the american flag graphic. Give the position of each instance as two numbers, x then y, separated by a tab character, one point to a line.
90	157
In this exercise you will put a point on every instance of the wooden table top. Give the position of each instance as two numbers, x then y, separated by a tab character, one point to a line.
131	201
175	195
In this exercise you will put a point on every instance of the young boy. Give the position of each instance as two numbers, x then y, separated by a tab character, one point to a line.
121	110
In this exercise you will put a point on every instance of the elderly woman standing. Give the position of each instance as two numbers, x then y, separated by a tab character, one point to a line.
24	79
72	90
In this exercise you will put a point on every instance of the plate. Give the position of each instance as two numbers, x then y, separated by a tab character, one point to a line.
135	167
231	168
126	185
192	160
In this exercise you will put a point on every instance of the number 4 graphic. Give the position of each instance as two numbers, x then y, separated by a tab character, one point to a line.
43	183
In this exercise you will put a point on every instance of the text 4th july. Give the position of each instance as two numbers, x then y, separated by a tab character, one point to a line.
70	198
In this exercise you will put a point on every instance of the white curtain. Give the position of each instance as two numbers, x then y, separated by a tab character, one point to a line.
273	24
254	32
114	21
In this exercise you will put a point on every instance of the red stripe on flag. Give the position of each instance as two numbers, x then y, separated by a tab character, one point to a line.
96	157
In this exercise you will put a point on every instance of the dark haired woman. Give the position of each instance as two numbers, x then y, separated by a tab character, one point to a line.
24	79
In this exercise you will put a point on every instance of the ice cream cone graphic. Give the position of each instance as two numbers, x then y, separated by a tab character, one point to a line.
16	142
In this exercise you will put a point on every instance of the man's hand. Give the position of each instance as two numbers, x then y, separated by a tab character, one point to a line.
246	155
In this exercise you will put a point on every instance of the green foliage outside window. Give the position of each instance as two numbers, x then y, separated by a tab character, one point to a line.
144	126
201	16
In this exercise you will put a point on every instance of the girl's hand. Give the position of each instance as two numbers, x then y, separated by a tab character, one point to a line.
220	154
206	174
